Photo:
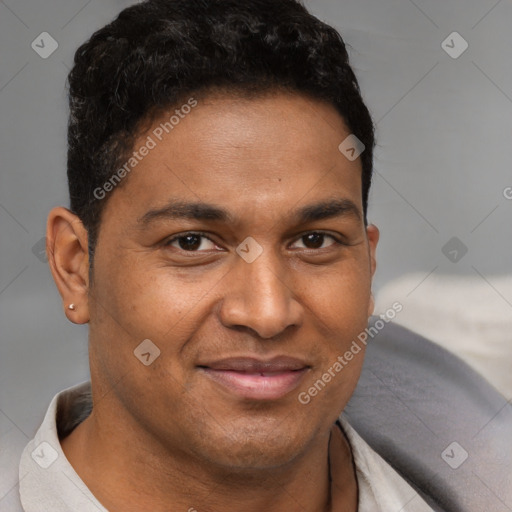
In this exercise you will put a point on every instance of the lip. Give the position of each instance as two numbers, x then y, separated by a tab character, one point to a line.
257	379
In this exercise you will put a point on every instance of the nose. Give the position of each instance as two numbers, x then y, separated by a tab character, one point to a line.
260	296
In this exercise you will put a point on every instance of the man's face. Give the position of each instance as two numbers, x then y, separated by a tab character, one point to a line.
174	276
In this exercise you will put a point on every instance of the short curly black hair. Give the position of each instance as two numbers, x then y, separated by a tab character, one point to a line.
158	52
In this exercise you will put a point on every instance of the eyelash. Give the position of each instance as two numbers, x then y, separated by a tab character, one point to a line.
205	235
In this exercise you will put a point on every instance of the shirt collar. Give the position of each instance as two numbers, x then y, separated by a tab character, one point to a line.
47	479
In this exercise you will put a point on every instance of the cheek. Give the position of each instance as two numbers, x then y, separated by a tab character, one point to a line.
147	300
338	308
152	305
169	304
340	296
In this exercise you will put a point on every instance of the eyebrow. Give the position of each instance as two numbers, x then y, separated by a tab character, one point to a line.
210	212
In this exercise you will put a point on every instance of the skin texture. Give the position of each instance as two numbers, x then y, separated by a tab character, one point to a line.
165	436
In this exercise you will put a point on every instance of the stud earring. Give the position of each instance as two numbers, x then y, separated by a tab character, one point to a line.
72	307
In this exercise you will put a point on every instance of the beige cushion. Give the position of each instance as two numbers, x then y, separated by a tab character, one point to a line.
468	315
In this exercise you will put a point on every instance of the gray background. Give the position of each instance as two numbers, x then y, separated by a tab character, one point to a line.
442	163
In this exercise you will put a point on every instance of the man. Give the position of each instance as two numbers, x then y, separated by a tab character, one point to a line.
219	163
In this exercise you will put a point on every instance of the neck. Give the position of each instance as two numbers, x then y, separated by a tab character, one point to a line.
129	470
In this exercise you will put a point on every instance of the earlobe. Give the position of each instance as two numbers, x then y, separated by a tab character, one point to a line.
371	305
373	234
67	249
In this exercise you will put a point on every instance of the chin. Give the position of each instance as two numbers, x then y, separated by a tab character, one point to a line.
254	447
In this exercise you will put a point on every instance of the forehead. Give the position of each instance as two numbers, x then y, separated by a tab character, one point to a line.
245	154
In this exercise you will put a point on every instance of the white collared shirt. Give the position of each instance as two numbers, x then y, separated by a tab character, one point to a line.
48	482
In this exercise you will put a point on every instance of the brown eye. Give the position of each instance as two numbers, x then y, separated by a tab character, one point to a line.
191	242
316	240
313	240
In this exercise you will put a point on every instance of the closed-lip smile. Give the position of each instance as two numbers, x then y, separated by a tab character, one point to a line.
255	378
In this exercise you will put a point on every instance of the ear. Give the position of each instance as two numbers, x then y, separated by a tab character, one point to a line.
67	250
372	233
